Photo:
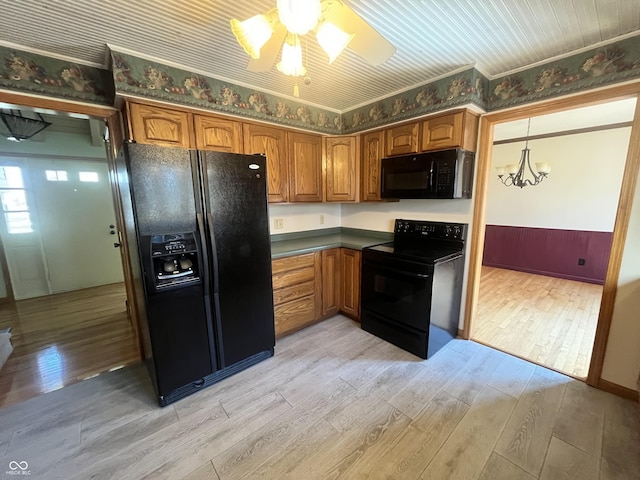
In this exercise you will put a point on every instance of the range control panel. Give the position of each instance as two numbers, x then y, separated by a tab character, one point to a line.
422	228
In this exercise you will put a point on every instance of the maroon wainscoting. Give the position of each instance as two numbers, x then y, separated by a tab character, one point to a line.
547	251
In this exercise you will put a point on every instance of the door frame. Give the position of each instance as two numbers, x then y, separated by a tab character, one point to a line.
114	122
629	180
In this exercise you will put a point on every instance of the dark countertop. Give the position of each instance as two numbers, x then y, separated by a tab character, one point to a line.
297	243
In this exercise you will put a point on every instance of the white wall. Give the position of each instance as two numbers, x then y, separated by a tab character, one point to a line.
380	216
582	191
622	358
302	217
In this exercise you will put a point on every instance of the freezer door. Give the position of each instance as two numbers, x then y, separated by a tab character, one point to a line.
235	196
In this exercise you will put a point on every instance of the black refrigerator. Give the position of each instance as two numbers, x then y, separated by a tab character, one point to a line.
203	243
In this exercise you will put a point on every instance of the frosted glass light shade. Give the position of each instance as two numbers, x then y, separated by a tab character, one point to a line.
291	61
543	167
511	168
332	39
252	33
299	16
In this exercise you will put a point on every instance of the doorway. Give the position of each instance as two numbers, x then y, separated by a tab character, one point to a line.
620	243
62	294
547	246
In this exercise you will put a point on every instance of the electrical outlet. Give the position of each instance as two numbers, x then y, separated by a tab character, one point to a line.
278	224
581	261
321	219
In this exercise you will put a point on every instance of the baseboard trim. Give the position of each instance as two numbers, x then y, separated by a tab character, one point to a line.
618	390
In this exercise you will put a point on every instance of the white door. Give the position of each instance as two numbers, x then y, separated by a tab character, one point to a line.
21	236
75	207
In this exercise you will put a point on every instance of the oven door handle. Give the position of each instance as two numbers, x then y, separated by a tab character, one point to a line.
400	272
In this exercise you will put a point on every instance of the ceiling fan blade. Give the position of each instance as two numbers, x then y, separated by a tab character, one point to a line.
269	51
367	43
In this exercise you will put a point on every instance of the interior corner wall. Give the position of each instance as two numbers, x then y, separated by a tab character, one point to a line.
622	357
301	217
582	191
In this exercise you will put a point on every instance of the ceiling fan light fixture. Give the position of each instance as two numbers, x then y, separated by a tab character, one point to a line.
252	33
299	16
291	60
332	39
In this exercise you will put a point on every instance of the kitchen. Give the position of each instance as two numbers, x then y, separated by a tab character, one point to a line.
377	217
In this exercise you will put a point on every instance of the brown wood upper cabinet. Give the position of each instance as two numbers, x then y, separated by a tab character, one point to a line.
372	153
401	139
272	142
159	126
219	134
350	268
305	167
330	282
458	129
341	169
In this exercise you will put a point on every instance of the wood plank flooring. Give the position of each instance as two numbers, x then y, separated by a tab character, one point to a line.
334	402
550	321
62	339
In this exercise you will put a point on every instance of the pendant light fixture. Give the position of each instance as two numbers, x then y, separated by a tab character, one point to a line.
522	174
20	127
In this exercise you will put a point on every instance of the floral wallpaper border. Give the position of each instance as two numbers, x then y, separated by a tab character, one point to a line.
469	86
33	73
137	76
606	65
613	63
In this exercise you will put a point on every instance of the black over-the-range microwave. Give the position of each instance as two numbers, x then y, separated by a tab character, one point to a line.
439	174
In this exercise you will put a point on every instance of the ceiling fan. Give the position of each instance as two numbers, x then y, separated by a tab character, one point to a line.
334	24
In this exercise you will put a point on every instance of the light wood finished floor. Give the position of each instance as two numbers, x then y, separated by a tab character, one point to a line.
334	402
61	339
550	321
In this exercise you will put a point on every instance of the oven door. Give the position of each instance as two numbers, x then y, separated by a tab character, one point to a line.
396	289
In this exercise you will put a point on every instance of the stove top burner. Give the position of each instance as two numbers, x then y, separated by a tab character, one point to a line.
426	254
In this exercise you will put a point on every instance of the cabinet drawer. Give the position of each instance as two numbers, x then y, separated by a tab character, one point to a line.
293	292
294	315
293	277
291	263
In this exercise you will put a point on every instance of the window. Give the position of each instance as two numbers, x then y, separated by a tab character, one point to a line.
88	176
13	198
56	175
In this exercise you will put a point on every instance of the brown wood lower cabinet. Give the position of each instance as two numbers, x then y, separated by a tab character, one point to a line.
350	268
330	282
297	295
313	286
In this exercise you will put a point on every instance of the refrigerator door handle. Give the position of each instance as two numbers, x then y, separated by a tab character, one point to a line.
214	254
215	293
203	246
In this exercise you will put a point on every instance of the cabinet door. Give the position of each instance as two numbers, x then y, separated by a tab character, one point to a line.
305	167
458	129
444	131
350	265
159	126
341	167
218	134
372	152
273	143
401	139
330	282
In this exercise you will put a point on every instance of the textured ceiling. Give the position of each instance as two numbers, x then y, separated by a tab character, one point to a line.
432	37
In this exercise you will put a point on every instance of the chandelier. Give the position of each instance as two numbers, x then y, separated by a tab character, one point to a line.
20	127
299	17
523	174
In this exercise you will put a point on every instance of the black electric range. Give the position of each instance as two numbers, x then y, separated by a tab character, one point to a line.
412	287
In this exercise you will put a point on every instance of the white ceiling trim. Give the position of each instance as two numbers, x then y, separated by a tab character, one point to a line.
566	55
53	55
